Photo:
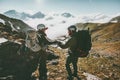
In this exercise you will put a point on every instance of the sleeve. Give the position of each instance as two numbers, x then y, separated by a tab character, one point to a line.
69	43
48	41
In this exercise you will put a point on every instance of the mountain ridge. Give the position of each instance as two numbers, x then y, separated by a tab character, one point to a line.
99	17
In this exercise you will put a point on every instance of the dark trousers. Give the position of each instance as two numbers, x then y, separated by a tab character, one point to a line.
42	66
73	60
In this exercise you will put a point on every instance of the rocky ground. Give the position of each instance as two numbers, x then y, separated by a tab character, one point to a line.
100	67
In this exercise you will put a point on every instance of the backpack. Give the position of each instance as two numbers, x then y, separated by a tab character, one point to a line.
33	45
84	43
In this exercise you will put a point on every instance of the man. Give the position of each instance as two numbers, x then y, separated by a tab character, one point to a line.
71	58
44	42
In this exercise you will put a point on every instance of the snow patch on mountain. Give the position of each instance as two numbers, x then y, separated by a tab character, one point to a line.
2	21
13	29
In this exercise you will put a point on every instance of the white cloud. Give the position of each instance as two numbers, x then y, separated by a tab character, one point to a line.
1	20
58	24
29	11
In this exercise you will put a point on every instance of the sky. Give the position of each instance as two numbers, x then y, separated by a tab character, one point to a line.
73	6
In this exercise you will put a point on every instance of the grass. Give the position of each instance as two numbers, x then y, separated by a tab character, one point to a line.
106	68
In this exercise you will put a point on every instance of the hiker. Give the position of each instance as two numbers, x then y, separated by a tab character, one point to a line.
45	41
79	45
71	44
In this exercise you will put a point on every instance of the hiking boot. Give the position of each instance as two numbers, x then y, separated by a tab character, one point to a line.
42	78
75	75
69	78
78	78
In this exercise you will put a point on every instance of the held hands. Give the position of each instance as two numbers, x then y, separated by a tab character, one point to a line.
56	42
59	43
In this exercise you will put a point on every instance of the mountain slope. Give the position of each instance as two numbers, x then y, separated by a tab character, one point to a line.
23	15
105	37
116	19
12	14
38	15
15	23
10	27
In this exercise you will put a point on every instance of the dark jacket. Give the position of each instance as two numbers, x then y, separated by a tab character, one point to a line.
44	40
71	44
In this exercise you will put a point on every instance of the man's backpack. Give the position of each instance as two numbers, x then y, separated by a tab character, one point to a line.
84	43
33	44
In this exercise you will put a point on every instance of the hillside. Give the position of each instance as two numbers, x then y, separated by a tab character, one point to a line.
12	27
116	19
103	61
105	37
19	25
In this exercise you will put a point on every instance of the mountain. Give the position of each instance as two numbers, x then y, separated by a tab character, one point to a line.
12	26
13	14
67	15
94	18
105	37
17	15
115	19
23	15
38	15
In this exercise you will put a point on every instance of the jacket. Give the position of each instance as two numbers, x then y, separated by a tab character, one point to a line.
70	44
44	41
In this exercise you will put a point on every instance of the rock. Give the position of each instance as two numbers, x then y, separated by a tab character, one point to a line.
51	55
54	62
21	66
91	77
60	71
59	78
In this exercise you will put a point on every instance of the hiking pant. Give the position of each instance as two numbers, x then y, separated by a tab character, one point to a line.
42	65
73	60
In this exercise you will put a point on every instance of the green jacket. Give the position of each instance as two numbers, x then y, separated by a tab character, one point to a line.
44	40
71	44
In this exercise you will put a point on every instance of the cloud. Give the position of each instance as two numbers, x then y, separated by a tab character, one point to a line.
29	11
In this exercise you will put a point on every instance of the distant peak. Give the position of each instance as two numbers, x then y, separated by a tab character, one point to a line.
38	15
67	14
11	11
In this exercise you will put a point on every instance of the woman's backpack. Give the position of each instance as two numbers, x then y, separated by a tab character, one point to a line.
33	43
84	43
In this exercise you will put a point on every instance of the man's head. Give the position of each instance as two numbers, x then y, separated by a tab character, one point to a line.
71	29
42	27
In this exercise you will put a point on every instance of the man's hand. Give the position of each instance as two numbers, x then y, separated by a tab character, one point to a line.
59	43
